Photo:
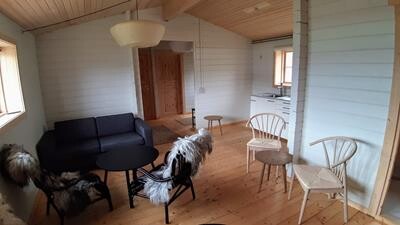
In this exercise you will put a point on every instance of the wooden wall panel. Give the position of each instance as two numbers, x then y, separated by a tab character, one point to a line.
349	76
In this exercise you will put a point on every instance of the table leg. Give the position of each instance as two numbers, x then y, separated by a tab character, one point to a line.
284	177
128	182
220	127
105	176
262	177
268	172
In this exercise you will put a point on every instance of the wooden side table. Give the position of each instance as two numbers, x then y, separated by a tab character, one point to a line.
212	118
275	158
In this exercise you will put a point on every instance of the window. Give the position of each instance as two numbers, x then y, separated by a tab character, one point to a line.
283	67
11	98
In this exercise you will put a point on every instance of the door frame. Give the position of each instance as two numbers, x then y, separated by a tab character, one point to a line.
392	134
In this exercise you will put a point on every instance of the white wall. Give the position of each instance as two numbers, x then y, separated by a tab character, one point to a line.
226	68
263	65
84	73
188	71
351	48
27	131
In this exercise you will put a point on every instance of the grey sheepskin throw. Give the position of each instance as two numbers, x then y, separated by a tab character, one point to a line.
18	165
193	149
71	192
7	216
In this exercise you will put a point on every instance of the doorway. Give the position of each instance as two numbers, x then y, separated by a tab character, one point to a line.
167	79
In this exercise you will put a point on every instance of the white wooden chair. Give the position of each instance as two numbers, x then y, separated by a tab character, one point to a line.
267	130
330	179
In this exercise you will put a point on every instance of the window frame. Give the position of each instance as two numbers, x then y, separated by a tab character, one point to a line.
3	106
10	119
283	51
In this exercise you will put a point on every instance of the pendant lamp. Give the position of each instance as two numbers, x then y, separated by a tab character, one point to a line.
138	33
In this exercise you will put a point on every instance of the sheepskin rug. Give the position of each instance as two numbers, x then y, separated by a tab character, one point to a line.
7	216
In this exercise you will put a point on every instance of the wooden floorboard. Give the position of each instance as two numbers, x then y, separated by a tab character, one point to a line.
225	194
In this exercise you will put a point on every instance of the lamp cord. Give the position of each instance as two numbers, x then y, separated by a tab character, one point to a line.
137	10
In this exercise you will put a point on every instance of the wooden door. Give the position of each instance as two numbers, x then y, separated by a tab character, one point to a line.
168	75
147	84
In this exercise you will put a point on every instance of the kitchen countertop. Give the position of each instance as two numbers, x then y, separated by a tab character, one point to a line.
269	96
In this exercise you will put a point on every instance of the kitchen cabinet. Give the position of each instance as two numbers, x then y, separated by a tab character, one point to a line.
271	105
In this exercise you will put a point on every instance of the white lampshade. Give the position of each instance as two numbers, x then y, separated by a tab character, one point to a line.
181	46
138	33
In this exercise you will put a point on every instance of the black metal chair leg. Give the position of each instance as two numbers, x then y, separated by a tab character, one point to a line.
48	207
110	205
61	220
192	188
166	213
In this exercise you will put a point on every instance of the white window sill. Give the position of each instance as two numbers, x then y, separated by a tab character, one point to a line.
10	120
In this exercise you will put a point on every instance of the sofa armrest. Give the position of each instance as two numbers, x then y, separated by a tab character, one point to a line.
145	131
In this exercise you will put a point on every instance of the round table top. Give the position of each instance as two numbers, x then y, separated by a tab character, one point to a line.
127	158
274	157
213	117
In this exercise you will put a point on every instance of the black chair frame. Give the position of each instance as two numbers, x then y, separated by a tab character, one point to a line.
180	177
49	192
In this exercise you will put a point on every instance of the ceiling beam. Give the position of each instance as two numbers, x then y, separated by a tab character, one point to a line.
172	8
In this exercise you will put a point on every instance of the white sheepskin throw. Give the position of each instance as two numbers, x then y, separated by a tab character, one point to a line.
193	149
7	216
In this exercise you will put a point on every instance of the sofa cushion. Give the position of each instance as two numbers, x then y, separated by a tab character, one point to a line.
78	149
115	124
75	130
120	140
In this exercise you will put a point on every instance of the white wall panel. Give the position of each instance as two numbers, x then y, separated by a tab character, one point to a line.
348	83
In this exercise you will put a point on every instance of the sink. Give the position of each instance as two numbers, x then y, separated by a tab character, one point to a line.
285	98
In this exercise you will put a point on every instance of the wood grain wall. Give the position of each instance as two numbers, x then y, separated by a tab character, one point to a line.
350	67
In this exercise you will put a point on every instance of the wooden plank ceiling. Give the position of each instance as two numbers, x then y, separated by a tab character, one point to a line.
39	14
254	19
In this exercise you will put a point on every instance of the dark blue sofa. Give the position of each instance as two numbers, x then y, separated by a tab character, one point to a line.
74	145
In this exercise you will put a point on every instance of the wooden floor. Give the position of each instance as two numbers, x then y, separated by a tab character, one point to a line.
225	194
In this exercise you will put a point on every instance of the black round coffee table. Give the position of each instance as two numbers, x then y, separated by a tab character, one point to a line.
126	159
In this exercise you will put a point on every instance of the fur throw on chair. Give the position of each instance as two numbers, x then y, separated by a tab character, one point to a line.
193	149
7	216
70	192
18	165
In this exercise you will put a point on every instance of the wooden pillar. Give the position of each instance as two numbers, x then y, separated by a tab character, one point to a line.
392	133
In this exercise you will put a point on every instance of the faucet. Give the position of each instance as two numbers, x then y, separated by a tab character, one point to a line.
280	87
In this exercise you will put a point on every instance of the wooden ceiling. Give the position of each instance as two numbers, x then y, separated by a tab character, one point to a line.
254	19
274	20
37	15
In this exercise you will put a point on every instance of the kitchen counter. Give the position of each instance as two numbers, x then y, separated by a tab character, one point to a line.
265	103
270	96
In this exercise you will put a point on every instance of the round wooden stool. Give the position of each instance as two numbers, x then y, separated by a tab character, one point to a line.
275	158
212	118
